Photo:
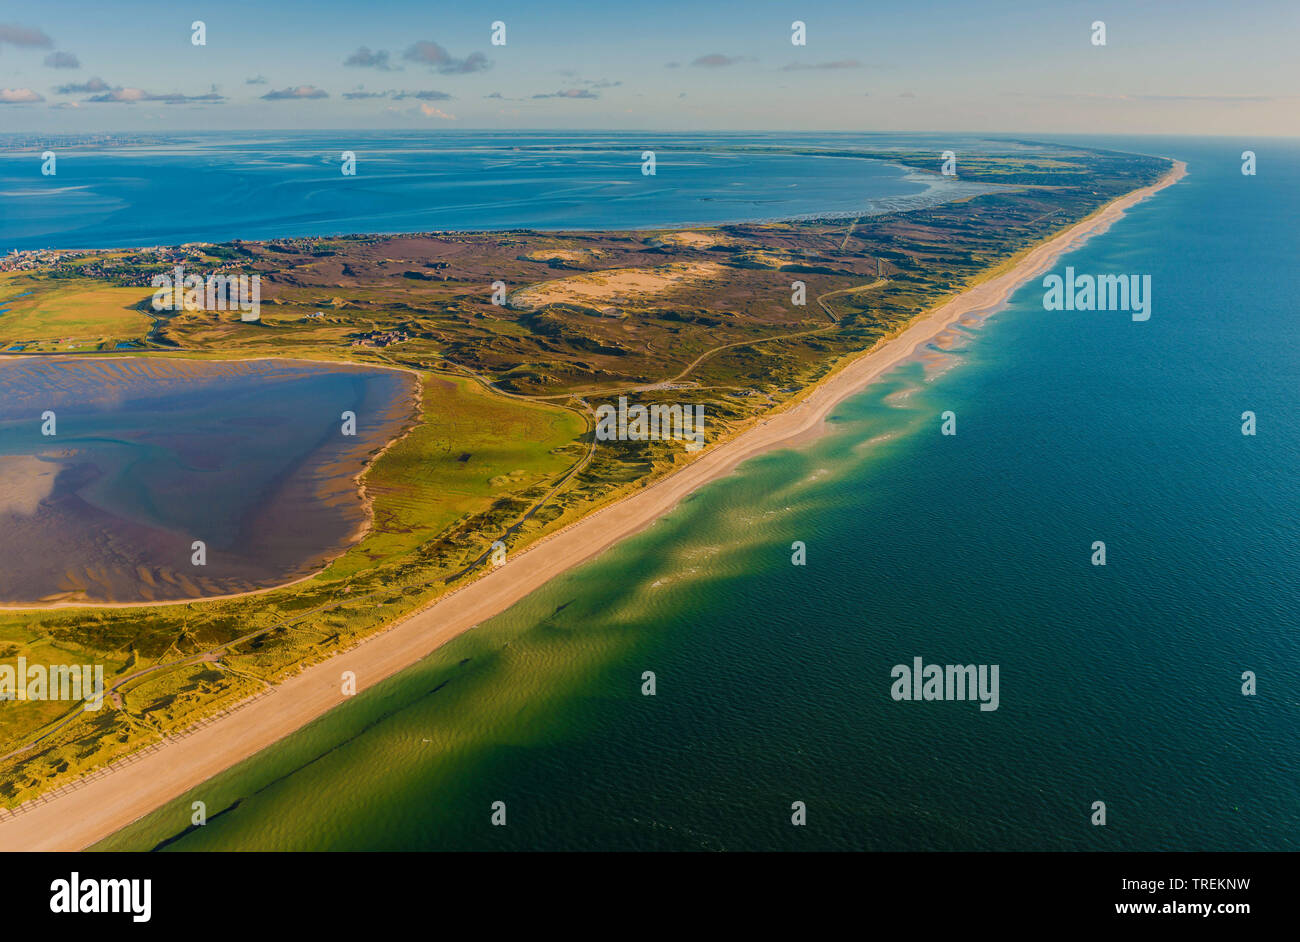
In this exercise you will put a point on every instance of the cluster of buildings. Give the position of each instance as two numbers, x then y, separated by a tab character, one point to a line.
306	244
379	338
31	260
134	269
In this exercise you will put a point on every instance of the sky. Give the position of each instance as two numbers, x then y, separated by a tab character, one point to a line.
1190	67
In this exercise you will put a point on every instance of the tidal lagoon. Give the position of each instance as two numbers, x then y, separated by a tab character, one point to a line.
113	469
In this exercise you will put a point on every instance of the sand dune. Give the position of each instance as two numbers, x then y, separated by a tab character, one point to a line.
616	285
694	240
76	818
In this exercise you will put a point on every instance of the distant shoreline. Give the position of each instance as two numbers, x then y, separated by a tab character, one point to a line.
930	181
78	817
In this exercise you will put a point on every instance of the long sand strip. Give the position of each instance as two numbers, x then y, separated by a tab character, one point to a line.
74	819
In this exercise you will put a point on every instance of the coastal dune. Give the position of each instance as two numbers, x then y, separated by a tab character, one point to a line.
75	818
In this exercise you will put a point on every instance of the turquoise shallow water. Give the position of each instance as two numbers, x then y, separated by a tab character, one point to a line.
1119	684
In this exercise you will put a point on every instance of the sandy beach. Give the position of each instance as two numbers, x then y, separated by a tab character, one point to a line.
77	817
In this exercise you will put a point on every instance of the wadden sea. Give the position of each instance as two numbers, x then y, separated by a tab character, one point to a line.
1119	683
265	186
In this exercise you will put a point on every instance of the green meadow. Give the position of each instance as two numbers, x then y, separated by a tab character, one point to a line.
70	315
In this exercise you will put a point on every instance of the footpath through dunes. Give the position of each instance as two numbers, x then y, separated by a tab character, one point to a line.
114	467
77	818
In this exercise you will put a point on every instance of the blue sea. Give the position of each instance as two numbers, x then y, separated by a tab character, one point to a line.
1119	684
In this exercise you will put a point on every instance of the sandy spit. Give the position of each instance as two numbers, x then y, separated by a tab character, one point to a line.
74	818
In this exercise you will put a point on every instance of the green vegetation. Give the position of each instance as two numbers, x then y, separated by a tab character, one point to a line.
70	315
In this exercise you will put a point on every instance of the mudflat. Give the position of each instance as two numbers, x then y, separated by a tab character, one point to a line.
113	469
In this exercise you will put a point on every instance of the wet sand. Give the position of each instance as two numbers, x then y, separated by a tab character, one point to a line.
153	454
